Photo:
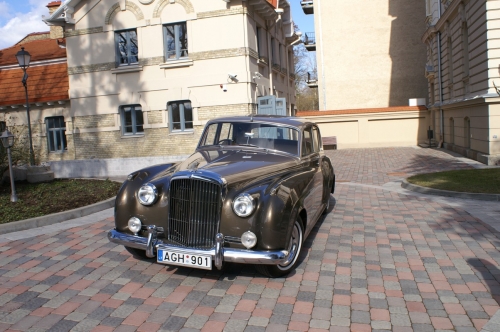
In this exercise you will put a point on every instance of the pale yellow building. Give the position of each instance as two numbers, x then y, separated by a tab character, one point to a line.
370	65
462	70
145	75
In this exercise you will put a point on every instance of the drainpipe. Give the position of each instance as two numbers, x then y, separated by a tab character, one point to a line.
295	42
322	57
440	75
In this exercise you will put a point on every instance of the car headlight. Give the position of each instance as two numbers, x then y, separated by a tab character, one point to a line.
147	194
249	239
134	225
243	205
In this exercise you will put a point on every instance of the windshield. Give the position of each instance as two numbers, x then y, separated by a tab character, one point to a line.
262	135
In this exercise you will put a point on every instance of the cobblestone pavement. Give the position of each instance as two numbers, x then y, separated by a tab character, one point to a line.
381	260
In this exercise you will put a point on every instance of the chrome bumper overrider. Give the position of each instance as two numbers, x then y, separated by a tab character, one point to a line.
219	254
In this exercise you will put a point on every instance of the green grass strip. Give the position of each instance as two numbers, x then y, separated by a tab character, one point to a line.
485	181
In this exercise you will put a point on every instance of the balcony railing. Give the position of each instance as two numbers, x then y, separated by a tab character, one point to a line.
309	40
307	7
312	79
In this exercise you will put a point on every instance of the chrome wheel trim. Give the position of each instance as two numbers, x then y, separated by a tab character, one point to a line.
293	248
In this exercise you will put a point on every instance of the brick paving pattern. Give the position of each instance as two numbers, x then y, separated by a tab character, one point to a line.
379	261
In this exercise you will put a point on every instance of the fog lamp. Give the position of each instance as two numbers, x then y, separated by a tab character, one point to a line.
134	225
249	239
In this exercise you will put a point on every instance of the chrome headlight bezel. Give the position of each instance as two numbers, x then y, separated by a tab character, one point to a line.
247	202
147	194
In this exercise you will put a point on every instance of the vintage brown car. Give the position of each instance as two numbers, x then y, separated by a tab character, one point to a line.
250	193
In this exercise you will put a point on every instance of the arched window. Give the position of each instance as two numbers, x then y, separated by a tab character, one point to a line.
465	48
467	132
452	131
450	59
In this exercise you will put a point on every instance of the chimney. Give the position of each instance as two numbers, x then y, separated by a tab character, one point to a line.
55	31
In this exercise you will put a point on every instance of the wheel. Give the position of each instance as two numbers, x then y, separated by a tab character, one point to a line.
294	248
228	141
138	253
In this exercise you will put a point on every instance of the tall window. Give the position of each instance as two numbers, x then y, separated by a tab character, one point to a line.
127	51
273	51
175	40
467	132
431	93
180	115
452	131
56	134
132	120
465	48
450	60
259	37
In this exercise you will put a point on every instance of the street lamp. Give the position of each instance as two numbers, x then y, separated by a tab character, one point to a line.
7	142
23	58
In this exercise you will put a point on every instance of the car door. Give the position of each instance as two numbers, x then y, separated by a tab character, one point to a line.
312	161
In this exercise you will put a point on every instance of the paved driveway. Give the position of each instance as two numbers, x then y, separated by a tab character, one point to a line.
382	259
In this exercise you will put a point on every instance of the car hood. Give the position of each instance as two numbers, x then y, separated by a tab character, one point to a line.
236	165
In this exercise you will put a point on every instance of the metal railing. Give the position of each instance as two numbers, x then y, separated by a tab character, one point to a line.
309	38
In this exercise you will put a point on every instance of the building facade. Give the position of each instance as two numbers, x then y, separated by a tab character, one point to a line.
463	76
145	75
368	53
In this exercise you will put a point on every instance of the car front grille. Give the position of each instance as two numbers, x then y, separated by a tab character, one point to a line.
193	219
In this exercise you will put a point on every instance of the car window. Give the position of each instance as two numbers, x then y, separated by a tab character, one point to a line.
262	135
316	140
210	133
226	131
307	142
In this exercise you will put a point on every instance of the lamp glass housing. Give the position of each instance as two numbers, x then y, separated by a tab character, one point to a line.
7	139
23	58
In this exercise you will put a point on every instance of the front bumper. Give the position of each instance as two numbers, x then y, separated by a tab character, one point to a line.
219	254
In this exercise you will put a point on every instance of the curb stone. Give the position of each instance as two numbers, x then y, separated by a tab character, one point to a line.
429	191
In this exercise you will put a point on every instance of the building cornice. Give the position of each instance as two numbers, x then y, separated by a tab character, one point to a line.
36	63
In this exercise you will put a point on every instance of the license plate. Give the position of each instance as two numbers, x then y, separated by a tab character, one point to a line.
184	259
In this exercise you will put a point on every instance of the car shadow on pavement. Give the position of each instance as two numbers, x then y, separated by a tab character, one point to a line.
489	275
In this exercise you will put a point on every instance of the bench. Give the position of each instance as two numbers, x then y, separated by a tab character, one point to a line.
329	143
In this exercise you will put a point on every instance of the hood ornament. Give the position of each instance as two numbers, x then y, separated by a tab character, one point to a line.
193	167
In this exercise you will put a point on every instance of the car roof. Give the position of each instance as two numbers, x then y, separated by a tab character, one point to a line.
274	119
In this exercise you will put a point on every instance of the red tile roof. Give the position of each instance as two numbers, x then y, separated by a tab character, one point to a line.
363	111
46	82
45	49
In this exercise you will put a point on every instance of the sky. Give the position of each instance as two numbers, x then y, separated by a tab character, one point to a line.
21	17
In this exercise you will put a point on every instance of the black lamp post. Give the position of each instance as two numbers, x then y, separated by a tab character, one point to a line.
8	141
23	58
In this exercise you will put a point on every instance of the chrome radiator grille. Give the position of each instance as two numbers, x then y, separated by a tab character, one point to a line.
193	218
